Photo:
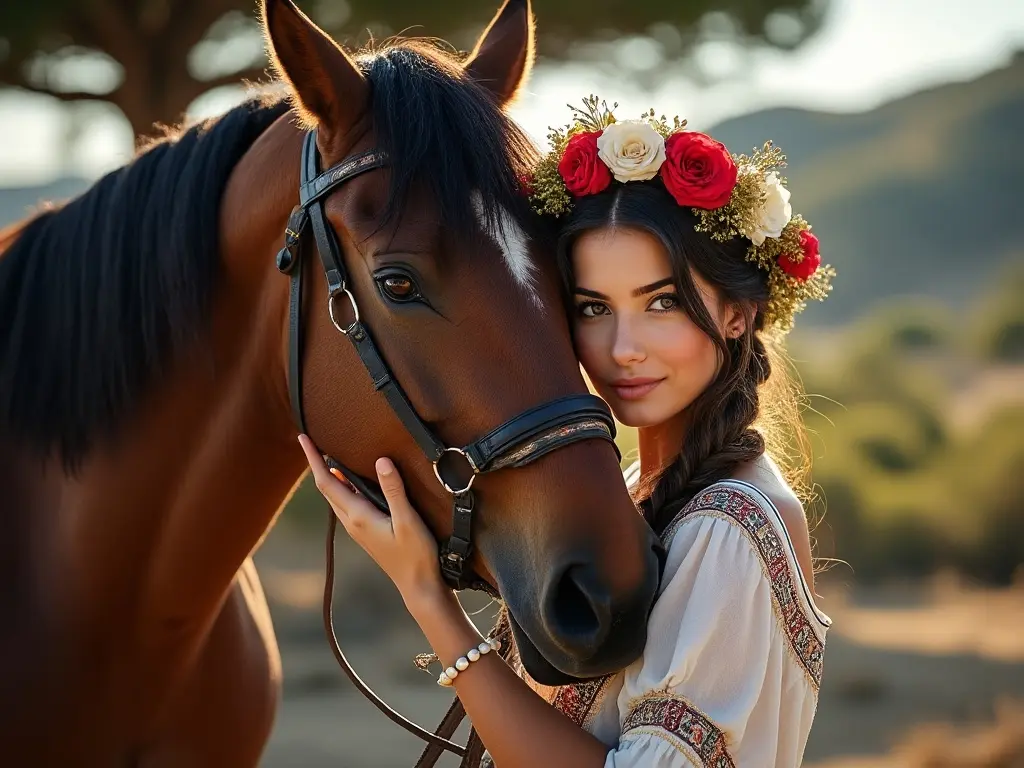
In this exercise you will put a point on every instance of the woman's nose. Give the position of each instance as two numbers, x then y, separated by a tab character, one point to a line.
626	346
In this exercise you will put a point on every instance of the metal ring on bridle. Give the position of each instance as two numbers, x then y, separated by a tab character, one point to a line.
437	472
351	300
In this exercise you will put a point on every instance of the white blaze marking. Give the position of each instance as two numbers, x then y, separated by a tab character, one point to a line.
514	245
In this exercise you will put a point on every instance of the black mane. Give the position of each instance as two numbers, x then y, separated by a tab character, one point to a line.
96	295
444	130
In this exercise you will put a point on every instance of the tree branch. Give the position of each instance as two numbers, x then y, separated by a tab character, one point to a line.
115	33
196	88
12	70
64	95
249	73
83	32
189	24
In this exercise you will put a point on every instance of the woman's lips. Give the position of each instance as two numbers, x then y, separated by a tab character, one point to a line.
634	389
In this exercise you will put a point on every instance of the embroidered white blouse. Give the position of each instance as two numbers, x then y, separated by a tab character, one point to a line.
733	661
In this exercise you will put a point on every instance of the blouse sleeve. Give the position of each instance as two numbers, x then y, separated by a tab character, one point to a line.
710	682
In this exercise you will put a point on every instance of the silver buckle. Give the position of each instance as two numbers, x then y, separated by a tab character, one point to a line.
355	309
437	472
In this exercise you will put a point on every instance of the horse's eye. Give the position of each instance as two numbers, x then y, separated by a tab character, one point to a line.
398	288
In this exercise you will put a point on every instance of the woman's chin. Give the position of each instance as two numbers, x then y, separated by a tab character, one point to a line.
637	414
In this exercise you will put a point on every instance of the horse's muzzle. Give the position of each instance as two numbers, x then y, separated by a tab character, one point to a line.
583	628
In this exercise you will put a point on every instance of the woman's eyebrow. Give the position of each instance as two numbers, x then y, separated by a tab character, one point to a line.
643	290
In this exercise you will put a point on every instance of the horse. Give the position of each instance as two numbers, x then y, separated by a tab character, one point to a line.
147	441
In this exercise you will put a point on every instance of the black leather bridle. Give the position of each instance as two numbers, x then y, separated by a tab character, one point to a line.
519	441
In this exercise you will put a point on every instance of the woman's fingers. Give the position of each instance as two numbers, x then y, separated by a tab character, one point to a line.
321	475
393	488
355	512
404	517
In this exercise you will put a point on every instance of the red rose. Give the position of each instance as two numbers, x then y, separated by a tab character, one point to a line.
802	270
583	172
698	171
526	185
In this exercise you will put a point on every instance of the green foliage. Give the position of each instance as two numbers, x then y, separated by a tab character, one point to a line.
562	22
1000	323
911	482
154	41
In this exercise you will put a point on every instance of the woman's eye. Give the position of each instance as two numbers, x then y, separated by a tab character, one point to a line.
398	287
591	309
665	303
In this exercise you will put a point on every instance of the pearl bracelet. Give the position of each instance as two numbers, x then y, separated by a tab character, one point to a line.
447	678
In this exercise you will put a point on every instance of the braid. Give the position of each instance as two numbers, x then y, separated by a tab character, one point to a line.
720	436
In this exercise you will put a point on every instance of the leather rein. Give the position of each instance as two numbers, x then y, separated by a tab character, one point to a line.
516	443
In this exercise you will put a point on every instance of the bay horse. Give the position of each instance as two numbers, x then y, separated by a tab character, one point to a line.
146	435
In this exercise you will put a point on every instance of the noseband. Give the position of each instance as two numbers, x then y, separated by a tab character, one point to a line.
516	443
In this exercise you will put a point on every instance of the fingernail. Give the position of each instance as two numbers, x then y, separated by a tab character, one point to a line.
385	467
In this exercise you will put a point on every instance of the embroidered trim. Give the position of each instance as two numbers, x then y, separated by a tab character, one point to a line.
691	731
769	546
580	701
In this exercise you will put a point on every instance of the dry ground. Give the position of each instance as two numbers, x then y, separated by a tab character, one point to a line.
898	659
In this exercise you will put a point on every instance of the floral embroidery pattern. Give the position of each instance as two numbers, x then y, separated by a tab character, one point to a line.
577	701
741	508
684	722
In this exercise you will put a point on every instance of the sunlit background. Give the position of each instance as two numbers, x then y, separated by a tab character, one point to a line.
903	121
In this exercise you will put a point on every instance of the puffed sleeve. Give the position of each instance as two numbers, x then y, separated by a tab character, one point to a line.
720	683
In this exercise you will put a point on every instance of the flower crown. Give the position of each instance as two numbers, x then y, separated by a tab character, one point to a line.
731	195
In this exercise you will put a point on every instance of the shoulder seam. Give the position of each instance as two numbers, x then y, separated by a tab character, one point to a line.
769	509
742	511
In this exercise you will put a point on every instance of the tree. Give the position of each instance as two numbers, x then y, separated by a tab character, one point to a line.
147	51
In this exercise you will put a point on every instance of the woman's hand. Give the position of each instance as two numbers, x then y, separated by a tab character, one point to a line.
400	544
518	726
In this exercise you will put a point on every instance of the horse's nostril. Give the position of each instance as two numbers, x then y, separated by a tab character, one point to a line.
578	610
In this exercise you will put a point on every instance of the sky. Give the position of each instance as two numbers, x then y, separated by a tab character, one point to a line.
867	52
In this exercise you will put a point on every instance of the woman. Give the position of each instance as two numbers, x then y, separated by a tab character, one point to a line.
682	263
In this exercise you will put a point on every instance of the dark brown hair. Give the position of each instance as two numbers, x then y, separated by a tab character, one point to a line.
732	421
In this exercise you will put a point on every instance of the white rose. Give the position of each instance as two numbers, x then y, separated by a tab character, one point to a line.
775	213
632	150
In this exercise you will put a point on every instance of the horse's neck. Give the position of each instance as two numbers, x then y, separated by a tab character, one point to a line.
199	476
166	519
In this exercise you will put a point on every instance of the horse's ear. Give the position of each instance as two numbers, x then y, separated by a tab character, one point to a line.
503	57
330	91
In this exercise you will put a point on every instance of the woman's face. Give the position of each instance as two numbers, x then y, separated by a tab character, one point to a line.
642	352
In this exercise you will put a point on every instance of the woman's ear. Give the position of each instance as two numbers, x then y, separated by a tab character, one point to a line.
734	322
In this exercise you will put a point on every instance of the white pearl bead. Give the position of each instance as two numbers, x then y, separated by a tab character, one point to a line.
496	645
473	654
461	663
444	680
484	648
452	672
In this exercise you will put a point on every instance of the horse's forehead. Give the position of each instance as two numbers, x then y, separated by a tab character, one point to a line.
514	244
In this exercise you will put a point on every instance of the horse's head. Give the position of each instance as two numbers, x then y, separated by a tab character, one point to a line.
461	295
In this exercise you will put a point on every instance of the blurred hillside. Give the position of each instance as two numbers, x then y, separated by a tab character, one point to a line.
916	416
920	196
